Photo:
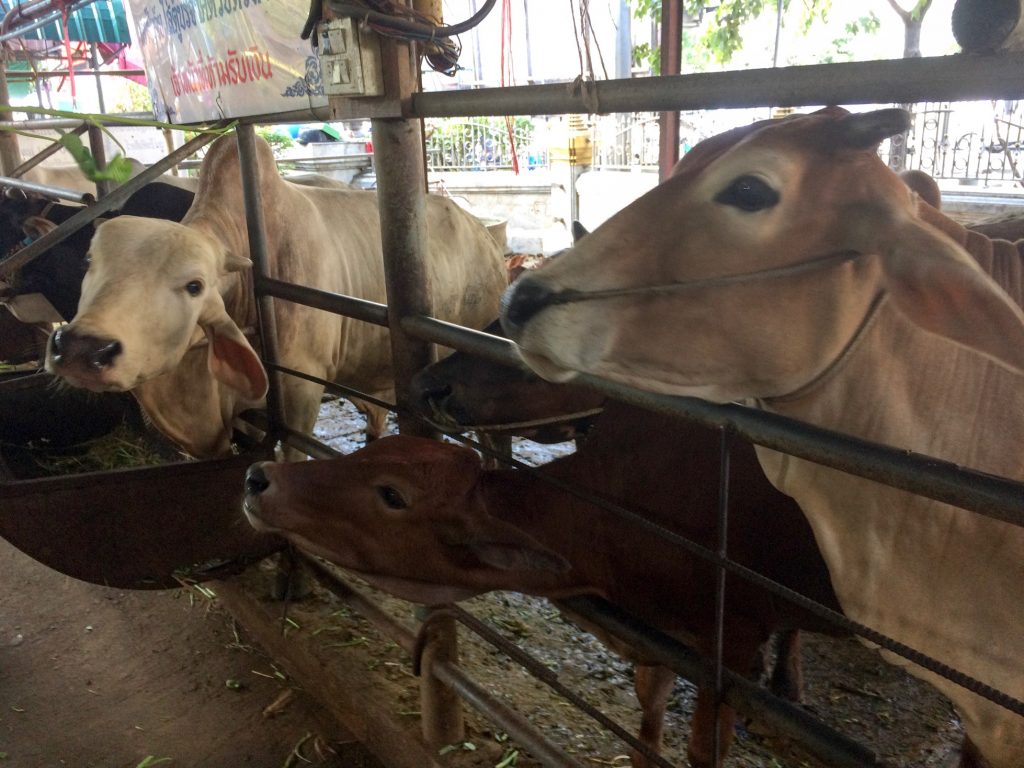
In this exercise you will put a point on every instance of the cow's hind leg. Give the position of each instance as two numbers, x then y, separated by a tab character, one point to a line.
787	679
653	684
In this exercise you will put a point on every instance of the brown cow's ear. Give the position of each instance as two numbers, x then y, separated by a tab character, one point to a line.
866	130
938	286
232	360
507	548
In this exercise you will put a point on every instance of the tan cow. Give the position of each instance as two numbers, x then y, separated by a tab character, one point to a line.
789	267
156	289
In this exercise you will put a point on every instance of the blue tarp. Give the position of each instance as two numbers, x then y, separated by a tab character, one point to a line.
102	22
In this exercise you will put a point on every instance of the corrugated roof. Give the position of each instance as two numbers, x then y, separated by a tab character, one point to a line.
104	21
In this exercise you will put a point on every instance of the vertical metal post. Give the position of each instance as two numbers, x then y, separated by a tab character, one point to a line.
99	153
94	62
439	704
671	64
10	152
250	172
723	549
398	157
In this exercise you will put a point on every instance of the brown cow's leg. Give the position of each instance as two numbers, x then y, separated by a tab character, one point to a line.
787	677
653	684
701	747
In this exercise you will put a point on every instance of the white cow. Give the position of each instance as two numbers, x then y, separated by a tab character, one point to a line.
156	289
785	264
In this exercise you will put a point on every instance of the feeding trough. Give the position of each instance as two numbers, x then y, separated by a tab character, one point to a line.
134	528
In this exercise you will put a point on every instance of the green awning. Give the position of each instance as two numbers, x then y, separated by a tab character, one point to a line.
104	21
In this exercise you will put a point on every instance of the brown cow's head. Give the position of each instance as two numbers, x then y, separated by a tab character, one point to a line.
151	292
749	271
407	513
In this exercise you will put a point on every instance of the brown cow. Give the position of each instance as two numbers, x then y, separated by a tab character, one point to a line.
422	520
806	278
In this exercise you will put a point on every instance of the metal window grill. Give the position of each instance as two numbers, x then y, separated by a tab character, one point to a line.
949	78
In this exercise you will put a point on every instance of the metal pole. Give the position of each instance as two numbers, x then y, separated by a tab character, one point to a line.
939	78
250	173
47	189
99	154
671	64
398	146
440	704
10	152
94	63
50	150
109	203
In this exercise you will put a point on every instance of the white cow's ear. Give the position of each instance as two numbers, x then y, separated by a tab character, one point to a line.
940	288
230	358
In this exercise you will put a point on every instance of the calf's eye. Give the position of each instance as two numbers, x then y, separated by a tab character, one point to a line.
194	287
391	497
748	193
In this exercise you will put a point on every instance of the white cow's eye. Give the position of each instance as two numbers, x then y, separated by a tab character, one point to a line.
391	497
194	288
748	193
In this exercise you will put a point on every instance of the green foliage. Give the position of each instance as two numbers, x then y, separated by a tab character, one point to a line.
278	141
722	37
841	45
118	168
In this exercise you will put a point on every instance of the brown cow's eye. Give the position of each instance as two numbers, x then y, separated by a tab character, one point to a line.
391	497
194	288
748	193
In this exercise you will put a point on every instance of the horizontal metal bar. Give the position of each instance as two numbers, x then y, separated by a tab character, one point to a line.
50	191
450	674
995	497
69	123
115	199
27	74
510	721
43	21
360	309
832	747
939	78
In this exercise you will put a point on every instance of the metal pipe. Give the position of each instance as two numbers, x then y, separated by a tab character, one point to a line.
510	721
995	497
22	74
99	154
48	151
445	724
249	166
360	309
69	123
940	78
450	674
671	64
43	21
832	747
10	152
109	203
398	145
46	189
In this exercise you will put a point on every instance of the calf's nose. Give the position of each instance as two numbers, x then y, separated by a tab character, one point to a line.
521	302
68	346
256	481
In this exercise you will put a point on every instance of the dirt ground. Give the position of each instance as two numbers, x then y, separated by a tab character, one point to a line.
98	678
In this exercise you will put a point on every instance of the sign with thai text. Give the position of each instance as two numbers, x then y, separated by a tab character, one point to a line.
208	59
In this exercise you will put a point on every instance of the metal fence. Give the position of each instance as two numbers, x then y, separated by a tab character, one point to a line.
478	145
399	173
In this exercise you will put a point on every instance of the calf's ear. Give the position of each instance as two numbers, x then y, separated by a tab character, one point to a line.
231	359
941	288
507	548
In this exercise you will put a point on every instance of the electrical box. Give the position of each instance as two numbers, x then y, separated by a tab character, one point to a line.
350	61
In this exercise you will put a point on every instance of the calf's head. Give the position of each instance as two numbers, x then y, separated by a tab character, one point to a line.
409	514
152	290
749	271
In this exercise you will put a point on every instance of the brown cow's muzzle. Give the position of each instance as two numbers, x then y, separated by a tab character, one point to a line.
81	358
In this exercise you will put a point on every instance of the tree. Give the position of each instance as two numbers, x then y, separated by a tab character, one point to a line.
912	21
722	38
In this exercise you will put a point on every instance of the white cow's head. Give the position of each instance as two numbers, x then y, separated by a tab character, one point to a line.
748	272
151	292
